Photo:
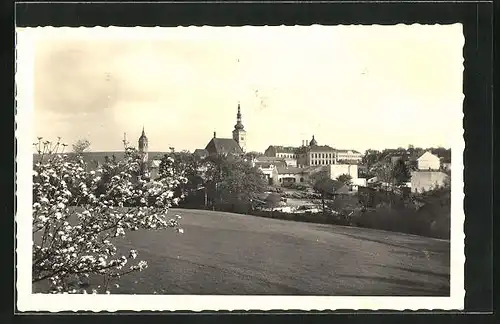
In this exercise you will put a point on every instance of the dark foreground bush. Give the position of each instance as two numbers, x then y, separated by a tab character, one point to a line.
431	220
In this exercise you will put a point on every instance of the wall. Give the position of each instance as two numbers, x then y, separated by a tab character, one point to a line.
337	169
425	180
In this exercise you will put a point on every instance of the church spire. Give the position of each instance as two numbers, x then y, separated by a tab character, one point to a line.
143	151
143	141
239	124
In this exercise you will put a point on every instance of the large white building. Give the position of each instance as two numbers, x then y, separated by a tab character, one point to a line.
350	156
311	154
426	180
335	170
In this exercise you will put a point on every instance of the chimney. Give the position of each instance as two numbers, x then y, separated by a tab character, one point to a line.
215	135
303	143
307	142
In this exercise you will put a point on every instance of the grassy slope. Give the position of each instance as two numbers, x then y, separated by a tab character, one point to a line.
223	253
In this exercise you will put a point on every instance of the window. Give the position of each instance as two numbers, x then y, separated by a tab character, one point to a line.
301	179
281	179
242	138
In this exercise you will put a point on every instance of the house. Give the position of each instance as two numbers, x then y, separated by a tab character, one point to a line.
269	170
348	156
428	161
281	152
426	180
335	170
279	162
287	176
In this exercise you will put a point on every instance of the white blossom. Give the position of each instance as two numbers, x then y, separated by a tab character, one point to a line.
79	245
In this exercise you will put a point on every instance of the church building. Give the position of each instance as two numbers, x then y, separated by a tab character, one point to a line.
225	146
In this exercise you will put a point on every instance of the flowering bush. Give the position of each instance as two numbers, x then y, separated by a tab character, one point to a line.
77	212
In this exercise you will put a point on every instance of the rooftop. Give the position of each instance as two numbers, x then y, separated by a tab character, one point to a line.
283	149
290	170
223	146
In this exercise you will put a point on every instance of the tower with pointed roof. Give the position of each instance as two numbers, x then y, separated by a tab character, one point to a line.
143	149
239	132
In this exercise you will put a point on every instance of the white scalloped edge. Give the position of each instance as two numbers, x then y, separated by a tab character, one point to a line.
28	302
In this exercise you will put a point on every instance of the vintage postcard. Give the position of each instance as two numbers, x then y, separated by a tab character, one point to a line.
240	168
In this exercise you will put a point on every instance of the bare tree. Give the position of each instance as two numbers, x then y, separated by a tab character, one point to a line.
81	146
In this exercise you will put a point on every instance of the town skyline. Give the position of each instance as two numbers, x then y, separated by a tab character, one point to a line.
365	87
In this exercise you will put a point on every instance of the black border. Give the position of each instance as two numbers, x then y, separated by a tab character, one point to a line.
477	19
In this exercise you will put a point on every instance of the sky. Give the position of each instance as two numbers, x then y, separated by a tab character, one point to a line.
352	87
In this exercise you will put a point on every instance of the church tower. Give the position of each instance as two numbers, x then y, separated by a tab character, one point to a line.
143	150
239	133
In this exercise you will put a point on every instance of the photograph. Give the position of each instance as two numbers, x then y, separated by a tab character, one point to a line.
206	168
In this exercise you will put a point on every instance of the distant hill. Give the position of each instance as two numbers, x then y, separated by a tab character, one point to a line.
100	157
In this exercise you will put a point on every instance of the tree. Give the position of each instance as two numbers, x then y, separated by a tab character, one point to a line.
383	173
314	178
400	172
231	179
77	216
443	153
345	179
81	146
371	157
186	165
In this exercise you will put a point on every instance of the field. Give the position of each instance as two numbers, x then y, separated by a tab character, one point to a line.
224	253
